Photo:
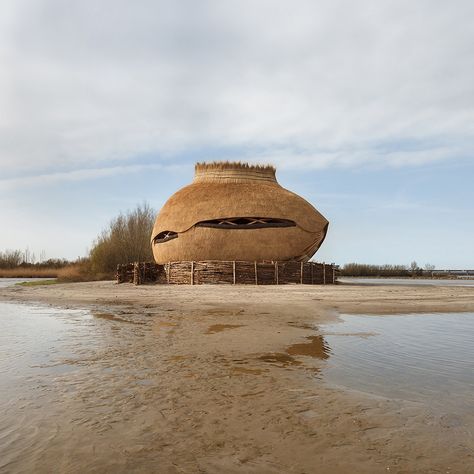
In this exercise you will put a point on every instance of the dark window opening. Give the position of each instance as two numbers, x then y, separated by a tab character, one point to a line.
246	223
165	236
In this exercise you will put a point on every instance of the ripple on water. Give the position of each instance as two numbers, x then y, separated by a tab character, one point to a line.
419	357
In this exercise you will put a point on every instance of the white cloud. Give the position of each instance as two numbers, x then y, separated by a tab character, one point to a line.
88	82
75	175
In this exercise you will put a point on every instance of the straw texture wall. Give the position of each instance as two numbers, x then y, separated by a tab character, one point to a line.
235	190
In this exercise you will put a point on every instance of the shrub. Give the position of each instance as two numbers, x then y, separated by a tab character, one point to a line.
126	239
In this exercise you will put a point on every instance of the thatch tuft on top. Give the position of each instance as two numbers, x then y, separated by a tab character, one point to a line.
228	171
231	165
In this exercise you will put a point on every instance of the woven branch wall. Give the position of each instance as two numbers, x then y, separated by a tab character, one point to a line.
222	272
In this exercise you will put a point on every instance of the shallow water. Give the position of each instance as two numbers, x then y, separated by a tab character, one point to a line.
404	281
31	339
4	282
426	358
66	376
84	391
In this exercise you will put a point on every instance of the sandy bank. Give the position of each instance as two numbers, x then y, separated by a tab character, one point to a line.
344	298
225	392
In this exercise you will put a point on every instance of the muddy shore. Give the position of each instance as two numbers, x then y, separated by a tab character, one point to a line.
233	384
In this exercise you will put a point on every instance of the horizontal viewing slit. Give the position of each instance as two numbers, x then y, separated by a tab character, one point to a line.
165	236
246	223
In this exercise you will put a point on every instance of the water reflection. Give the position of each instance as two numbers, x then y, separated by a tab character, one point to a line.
317	347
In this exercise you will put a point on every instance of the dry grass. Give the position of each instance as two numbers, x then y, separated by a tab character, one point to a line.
70	273
27	272
81	272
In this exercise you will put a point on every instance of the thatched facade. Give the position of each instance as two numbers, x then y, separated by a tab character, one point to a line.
233	211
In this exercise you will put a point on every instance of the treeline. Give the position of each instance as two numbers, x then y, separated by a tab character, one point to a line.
365	270
16	258
22	264
125	239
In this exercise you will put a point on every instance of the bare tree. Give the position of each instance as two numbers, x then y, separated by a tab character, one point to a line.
10	258
126	239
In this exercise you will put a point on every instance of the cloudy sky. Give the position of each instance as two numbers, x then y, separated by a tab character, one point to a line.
366	108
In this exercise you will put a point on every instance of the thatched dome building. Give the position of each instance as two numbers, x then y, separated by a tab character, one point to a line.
235	211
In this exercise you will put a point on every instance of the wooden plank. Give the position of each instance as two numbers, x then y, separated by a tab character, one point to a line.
135	273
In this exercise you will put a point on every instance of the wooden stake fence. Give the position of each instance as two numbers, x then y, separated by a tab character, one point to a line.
227	272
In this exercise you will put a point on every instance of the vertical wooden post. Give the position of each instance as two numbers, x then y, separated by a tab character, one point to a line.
333	274
168	270
256	277
301	272
233	271
324	273
192	273
136	275
276	273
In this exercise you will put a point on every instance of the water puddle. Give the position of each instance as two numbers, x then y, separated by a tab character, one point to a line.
279	359
245	370
317	347
164	327
425	358
222	327
113	317
301	325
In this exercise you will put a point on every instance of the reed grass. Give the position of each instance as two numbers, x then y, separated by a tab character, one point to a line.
29	272
82	272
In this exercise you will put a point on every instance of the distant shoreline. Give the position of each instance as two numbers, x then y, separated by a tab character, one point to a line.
444	277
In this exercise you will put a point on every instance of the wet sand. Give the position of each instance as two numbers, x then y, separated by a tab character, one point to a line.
228	379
